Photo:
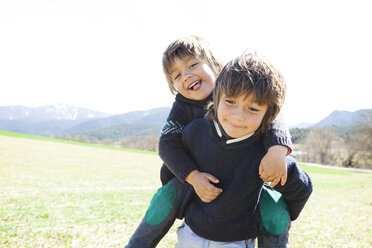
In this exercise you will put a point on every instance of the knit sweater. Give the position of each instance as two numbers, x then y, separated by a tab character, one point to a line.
233	215
171	149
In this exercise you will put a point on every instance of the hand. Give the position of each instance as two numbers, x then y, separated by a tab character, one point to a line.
201	182
273	166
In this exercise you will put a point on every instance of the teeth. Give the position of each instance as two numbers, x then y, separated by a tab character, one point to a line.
192	85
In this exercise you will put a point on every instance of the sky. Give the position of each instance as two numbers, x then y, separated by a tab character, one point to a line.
106	55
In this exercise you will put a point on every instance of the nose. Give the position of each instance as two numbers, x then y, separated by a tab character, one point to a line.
239	114
186	75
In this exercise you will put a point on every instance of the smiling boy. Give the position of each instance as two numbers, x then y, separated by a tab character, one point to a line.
192	77
191	70
229	144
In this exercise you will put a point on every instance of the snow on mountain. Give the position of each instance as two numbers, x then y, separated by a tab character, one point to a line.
49	112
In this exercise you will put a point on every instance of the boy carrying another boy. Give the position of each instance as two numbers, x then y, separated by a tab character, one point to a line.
229	144
191	69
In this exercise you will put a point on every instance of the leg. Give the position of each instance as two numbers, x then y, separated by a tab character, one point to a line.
188	239
165	175
164	208
267	240
274	223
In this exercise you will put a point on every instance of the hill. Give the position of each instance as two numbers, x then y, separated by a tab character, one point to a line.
48	113
337	118
45	120
153	117
342	118
116	132
62	119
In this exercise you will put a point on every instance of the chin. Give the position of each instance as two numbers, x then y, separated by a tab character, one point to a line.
232	135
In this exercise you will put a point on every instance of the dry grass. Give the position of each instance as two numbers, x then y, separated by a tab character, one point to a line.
63	195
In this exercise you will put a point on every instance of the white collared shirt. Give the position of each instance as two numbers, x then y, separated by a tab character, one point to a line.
231	140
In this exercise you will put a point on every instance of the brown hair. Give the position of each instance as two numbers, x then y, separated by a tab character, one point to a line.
248	74
189	46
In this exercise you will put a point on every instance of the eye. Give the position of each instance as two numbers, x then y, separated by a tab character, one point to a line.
229	101
253	109
176	76
193	65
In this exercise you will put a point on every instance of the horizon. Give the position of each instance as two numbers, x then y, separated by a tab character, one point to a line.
290	125
106	55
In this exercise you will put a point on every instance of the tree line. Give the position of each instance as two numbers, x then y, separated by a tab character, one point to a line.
349	146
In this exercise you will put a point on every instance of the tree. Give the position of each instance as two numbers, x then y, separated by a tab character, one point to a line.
150	143
364	128
347	149
358	145
319	143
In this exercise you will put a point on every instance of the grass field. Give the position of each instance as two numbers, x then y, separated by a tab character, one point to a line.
55	194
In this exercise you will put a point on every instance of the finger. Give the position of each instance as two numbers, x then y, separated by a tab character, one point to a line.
284	179
212	188
268	178
274	182
263	173
215	194
260	169
209	198
212	197
212	178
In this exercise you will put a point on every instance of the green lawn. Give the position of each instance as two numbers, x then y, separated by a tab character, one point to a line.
55	194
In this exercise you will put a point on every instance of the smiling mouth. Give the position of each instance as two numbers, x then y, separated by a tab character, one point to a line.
195	85
236	126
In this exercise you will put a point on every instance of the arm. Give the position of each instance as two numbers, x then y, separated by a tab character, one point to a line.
202	183
297	190
278	144
174	155
171	149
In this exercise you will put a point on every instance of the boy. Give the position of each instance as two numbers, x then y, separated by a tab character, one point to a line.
248	95
191	69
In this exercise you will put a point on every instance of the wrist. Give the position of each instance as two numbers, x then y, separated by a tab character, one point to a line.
190	177
283	150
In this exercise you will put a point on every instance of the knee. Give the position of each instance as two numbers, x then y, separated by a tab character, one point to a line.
161	204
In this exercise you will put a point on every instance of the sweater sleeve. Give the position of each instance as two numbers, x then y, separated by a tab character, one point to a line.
278	134
297	189
171	148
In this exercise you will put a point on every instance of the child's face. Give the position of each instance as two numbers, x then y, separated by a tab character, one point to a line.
192	77
240	116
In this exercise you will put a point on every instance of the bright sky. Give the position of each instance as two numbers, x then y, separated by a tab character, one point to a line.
106	55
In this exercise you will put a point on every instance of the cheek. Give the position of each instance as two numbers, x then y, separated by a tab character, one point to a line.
176	85
259	120
221	112
209	74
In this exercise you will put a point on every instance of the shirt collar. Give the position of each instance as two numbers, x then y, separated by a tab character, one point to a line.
229	141
201	103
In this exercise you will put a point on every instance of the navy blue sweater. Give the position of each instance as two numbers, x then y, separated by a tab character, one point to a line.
233	215
184	111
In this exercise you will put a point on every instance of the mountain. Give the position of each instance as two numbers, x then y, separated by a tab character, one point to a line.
67	119
64	119
45	120
302	125
156	116
342	118
117	132
341	121
48	113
